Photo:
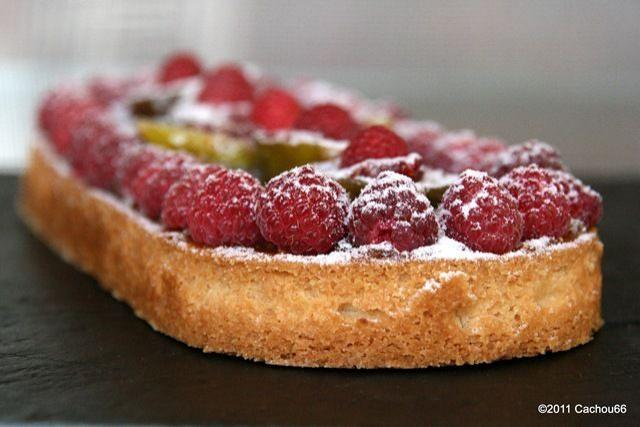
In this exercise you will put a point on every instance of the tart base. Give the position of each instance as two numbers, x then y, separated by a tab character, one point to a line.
302	311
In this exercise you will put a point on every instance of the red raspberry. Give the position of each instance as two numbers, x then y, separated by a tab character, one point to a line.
375	142
532	152
60	114
420	136
134	158
542	203
585	204
328	119
223	211
408	165
179	198
479	212
390	209
106	90
179	66
226	84
153	180
303	212
52	102
457	151
95	150
275	109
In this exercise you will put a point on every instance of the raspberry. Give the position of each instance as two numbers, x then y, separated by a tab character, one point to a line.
303	212
457	151
477	211
390	209
179	198
179	66
61	112
52	102
95	150
532	152
223	211
153	180
420	135
134	158
541	201
226	84
328	119
408	165
375	142
585	204
106	90
275	109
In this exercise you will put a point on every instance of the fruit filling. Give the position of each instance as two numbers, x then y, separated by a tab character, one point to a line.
229	156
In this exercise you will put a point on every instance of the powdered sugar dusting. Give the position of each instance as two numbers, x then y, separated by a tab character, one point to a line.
410	129
392	185
215	116
436	178
444	249
370	168
298	137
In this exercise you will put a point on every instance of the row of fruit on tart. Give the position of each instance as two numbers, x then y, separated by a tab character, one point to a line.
211	112
527	194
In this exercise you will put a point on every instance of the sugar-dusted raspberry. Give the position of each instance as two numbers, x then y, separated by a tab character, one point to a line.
61	112
134	158
585	204
303	212
106	90
455	152
95	150
329	119
541	201
531	152
223	211
409	165
420	135
179	66
479	212
179	198
390	209
226	84
374	142
275	109
153	180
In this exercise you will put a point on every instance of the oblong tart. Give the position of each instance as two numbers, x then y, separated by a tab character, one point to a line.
437	307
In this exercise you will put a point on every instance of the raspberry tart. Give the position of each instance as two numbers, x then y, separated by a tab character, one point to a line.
299	223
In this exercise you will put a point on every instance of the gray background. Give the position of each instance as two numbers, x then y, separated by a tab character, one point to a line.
567	72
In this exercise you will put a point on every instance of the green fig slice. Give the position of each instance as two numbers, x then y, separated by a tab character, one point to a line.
282	151
216	147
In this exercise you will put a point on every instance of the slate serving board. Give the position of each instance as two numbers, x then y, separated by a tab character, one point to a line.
69	353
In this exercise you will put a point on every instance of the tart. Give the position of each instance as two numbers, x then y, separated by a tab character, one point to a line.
363	246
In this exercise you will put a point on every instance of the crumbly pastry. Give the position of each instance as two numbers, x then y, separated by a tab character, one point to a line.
323	310
301	224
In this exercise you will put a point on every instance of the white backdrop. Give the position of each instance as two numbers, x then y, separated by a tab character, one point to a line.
566	72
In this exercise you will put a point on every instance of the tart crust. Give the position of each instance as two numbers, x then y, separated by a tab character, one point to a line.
362	312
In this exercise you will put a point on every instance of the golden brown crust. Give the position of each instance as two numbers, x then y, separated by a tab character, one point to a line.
404	314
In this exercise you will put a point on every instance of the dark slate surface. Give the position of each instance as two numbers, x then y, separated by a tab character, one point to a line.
71	353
